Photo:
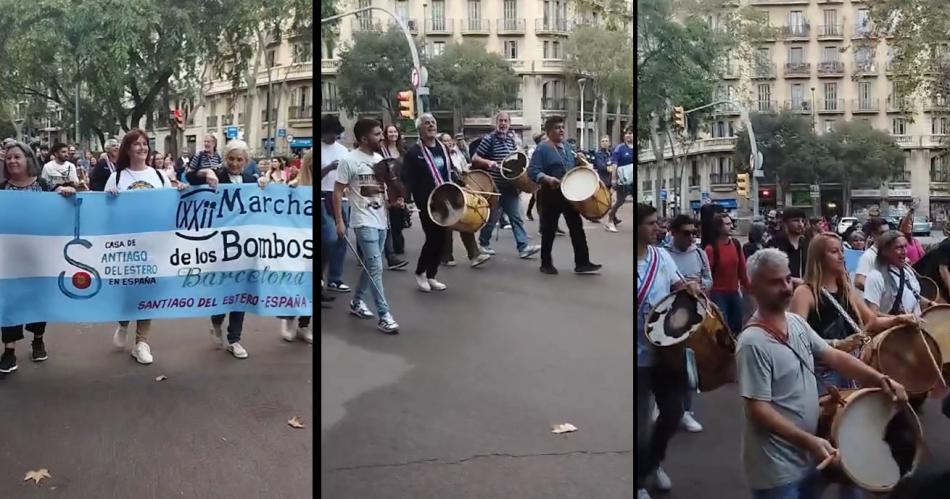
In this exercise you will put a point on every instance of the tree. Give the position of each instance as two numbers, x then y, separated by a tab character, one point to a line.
858	151
468	79
373	69
790	149
603	58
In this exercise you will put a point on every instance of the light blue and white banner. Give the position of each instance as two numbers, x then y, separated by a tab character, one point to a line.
155	254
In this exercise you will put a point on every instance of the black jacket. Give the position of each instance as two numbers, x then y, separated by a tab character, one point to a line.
223	177
99	176
417	178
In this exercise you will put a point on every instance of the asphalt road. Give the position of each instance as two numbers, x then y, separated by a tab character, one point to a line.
104	428
460	405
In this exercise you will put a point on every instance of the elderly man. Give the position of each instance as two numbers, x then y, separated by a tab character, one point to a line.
491	151
105	168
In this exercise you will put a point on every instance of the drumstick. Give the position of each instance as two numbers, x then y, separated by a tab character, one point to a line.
933	359
824	464
483	193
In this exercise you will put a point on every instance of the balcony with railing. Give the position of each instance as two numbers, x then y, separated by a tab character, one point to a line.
940	177
211	122
937	104
439	26
763	70
329	66
722	179
865	68
796	32
831	69
295	113
898	104
513	105
766	106
546	26
831	106
865	106
329	106
553	64
798	70
798	106
861	31
473	26
554	104
510	26
827	32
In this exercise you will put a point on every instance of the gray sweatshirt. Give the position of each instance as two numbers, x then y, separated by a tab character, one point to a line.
692	263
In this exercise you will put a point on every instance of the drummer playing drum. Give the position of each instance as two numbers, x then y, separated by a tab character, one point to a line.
775	360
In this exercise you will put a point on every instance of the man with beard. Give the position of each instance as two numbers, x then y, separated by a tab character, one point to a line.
656	277
874	229
792	242
491	151
776	355
426	166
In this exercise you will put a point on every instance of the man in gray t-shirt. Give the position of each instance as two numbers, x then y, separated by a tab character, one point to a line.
775	358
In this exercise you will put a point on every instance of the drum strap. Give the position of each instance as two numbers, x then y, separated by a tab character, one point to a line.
427	156
840	309
645	283
777	336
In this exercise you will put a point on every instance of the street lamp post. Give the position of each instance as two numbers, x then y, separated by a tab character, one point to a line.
581	82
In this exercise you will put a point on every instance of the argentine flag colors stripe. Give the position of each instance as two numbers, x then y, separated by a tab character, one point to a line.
155	254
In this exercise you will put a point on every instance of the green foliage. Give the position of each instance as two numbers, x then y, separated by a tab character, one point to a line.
467	78
373	69
617	14
916	33
790	149
859	152
603	57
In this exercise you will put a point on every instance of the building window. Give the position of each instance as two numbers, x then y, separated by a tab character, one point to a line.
829	126
938	168
796	55
474	11
510	10
831	96
829	54
862	21
271	58
798	96
438	15
898	126
864	56
438	48
765	97
831	21
365	18
939	126
552	50
302	52
511	49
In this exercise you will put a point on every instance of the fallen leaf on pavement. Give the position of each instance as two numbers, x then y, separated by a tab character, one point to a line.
295	422
563	428
37	475
161	378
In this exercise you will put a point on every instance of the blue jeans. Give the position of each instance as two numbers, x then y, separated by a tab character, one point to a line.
510	204
235	324
802	489
372	242
730	304
334	248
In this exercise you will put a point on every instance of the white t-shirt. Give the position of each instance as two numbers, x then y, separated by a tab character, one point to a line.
367	196
866	262
666	276
875	292
328	154
148	178
58	174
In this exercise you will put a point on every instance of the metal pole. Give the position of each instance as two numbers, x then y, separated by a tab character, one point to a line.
582	81
77	113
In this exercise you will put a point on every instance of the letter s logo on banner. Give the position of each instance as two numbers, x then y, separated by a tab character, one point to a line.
88	276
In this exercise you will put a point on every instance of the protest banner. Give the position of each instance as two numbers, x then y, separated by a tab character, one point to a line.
155	254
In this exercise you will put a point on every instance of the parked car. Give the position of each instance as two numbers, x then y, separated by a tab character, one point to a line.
845	223
922	227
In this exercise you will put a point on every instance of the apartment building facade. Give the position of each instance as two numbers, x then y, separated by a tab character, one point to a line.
819	64
530	33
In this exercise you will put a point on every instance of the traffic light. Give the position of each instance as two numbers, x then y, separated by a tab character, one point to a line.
679	118
407	104
742	184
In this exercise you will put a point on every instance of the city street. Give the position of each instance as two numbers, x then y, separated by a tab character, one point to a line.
461	403
105	428
707	465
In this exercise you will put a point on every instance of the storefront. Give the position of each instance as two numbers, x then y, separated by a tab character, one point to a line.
301	143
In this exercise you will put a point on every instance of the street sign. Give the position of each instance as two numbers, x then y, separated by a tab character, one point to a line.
231	132
281	132
814	191
414	78
290	138
705	198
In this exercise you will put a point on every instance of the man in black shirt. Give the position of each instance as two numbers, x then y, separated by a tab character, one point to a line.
792	242
936	265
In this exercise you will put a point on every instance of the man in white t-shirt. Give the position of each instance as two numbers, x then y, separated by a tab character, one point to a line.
369	218
334	248
898	292
59	171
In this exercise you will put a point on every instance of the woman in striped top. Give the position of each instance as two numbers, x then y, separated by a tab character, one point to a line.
209	158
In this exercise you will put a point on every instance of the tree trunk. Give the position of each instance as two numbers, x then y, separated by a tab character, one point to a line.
601	129
251	133
593	116
846	196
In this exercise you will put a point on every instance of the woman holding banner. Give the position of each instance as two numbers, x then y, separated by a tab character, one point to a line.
132	173
235	159
22	173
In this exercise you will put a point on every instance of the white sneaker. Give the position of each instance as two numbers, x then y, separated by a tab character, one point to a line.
142	353
610	227
690	424
663	483
643	494
436	285
387	324
305	334
287	330
359	309
480	259
422	283
216	334
237	350
486	250
121	337
530	251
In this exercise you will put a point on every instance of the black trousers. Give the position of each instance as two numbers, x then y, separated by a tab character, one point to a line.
668	388
622	192
15	333
397	221
551	205
431	255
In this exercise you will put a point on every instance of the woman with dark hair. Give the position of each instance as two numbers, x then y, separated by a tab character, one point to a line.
756	240
133	173
22	173
392	147
729	273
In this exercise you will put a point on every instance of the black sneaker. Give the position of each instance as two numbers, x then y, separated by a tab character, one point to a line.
39	350
617	221
560	232
397	264
548	269
7	362
588	268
